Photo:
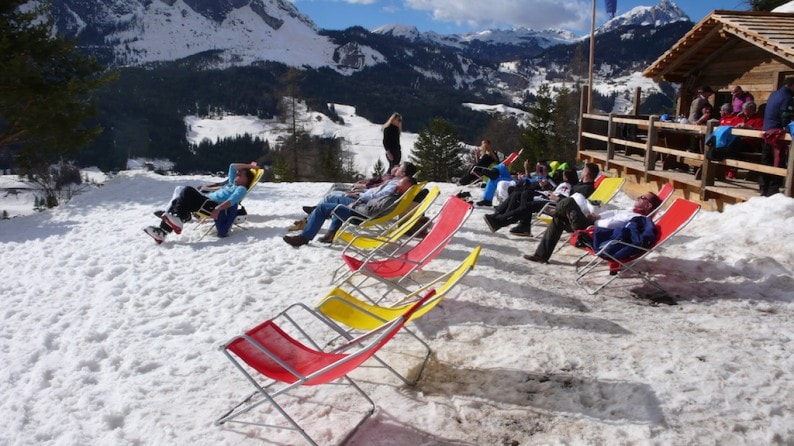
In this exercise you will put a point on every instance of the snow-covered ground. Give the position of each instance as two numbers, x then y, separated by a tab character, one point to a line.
109	339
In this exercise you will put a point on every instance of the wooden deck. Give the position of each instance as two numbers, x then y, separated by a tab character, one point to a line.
666	152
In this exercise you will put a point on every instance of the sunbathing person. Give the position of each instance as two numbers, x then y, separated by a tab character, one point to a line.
570	216
351	194
366	206
522	203
187	199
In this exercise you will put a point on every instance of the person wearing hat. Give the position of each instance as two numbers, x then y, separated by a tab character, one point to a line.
700	101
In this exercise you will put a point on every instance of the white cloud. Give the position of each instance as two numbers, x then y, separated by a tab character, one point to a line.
535	14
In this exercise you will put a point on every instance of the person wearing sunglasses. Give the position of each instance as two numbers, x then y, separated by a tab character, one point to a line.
570	217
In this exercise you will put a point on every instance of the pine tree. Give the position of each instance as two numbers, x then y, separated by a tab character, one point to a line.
765	5
437	151
282	171
537	138
378	169
46	89
565	121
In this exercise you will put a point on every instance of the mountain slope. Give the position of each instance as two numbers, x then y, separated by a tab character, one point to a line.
238	32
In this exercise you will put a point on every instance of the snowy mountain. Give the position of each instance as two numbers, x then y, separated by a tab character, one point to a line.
665	13
244	32
519	36
237	32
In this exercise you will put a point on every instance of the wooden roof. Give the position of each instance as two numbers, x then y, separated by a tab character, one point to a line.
772	32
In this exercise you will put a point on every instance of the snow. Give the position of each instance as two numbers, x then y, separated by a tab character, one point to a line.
107	338
787	7
361	137
159	31
521	116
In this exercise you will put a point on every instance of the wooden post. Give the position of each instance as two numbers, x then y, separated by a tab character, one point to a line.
637	97
582	108
610	144
708	169
653	136
592	61
789	187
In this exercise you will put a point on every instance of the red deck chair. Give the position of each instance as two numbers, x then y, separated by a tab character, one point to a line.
680	213
664	194
402	261
477	171
289	363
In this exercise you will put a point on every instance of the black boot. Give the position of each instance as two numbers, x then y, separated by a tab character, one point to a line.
494	222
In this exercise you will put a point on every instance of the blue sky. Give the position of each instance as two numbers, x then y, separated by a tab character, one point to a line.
460	16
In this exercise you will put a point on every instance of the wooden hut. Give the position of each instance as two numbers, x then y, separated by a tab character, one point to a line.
754	50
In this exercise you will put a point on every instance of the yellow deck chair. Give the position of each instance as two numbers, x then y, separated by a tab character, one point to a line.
606	191
393	232
378	224
205	216
353	314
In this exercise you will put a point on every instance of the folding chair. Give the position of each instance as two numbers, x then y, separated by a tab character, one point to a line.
606	190
392	265
680	213
664	194
380	222
351	313
364	240
479	171
288	363
232	215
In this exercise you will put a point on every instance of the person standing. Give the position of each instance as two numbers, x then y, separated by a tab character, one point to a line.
778	114
391	139
700	101
739	98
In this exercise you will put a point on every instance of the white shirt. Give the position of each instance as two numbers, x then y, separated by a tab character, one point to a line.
615	219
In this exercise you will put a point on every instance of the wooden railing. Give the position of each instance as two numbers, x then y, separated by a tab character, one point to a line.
670	151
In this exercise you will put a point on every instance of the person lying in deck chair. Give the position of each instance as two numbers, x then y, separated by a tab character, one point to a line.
187	199
569	216
355	191
366	206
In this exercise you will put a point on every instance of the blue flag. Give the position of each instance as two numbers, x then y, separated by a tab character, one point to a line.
612	6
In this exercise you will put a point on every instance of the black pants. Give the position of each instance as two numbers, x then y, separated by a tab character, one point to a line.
188	201
567	217
484	162
395	161
519	206
767	183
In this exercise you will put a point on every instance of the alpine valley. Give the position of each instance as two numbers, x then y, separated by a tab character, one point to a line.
204	57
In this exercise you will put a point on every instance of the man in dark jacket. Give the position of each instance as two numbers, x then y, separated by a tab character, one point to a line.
778	114
570	217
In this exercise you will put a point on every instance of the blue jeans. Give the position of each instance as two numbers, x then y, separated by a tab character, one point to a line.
225	220
324	210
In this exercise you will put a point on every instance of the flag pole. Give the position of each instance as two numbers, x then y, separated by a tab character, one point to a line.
592	61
